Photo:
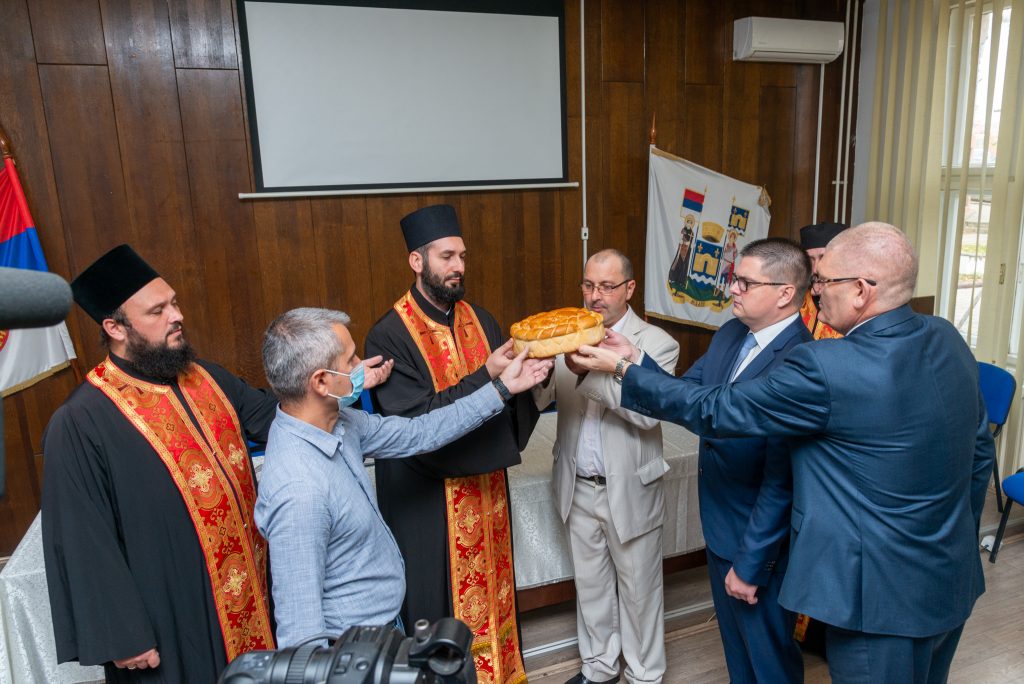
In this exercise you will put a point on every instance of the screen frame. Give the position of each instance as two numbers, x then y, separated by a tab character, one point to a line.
545	8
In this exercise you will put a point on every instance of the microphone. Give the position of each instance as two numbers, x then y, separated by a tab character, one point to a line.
32	299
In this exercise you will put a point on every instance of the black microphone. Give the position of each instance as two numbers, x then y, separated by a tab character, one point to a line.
32	299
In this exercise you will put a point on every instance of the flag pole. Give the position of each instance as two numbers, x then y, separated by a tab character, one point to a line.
5	144
652	136
7	153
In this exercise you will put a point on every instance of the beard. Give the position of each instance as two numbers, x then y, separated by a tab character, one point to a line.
159	361
439	290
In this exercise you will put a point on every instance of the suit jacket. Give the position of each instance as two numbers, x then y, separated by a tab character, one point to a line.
745	484
891	459
631	443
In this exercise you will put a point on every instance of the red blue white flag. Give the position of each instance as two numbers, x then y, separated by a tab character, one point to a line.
26	356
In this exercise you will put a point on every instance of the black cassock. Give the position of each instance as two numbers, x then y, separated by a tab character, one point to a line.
124	567
410	491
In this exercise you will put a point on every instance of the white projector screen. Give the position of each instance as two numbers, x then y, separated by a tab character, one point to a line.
368	95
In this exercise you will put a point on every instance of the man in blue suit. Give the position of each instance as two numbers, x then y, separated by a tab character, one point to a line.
891	456
745	484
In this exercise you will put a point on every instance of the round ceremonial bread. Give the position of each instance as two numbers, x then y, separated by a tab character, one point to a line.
561	331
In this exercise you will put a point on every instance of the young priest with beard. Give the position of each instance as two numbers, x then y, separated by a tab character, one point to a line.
445	348
154	566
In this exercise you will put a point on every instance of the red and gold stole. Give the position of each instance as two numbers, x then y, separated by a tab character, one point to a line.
211	470
818	329
479	535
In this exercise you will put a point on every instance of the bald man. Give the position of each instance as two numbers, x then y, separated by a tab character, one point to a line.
891	457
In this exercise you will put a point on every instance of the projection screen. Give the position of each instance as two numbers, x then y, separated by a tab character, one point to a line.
404	95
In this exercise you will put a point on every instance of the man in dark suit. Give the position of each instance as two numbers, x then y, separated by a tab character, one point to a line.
745	484
891	456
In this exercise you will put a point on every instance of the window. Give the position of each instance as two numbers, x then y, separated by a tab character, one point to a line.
974	96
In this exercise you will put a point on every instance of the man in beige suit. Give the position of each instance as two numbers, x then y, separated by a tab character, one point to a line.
607	481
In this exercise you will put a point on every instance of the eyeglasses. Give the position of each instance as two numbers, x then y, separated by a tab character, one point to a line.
589	287
744	284
817	281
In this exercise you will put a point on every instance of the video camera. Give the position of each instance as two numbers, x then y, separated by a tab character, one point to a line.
439	653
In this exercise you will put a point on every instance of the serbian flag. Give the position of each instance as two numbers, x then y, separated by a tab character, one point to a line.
26	356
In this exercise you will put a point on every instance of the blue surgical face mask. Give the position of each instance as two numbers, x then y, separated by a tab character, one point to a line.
357	375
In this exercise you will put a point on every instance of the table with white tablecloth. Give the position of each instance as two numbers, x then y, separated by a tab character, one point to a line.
541	549
541	553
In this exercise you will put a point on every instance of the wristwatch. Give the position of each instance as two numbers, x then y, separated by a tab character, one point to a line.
620	369
502	390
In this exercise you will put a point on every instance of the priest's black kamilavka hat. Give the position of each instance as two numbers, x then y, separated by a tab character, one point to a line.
818	235
430	223
110	281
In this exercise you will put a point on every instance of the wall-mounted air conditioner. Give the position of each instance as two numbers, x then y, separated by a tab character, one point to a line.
764	39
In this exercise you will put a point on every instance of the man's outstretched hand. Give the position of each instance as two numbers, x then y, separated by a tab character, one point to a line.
499	359
375	372
522	373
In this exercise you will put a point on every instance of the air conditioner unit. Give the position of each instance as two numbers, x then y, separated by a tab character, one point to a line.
800	41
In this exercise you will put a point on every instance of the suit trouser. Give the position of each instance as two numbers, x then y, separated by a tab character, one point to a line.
620	601
757	639
863	658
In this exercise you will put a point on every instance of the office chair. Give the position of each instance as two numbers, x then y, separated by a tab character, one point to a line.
1013	486
997	388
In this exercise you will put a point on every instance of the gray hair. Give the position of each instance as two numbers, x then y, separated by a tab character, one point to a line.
784	261
297	344
881	252
627	265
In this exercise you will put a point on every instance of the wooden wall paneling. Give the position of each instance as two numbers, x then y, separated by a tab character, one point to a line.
701	121
572	61
288	266
67	31
515	260
741	122
21	500
345	261
146	108
531	281
708	43
622	41
391	273
829	138
88	173
225	230
804	146
569	250
23	117
626	167
776	147
665	30
203	33
487	267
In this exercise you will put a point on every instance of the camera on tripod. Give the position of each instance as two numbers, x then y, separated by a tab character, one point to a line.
439	653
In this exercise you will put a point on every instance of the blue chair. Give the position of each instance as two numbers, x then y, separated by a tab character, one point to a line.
997	387
1013	486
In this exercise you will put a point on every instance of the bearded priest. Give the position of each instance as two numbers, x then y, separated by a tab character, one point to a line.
155	568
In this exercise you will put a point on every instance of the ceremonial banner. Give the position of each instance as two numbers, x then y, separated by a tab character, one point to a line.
697	223
29	355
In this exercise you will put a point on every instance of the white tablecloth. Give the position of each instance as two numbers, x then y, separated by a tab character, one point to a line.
541	549
541	553
27	652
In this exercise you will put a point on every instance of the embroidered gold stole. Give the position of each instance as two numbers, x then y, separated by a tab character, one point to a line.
212	472
818	329
479	535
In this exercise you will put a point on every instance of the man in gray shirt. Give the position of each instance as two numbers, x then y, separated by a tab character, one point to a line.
334	562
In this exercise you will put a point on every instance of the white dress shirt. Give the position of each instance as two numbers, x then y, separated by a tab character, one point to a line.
589	454
764	337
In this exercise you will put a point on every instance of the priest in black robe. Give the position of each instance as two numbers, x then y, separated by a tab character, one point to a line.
129	583
412	491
